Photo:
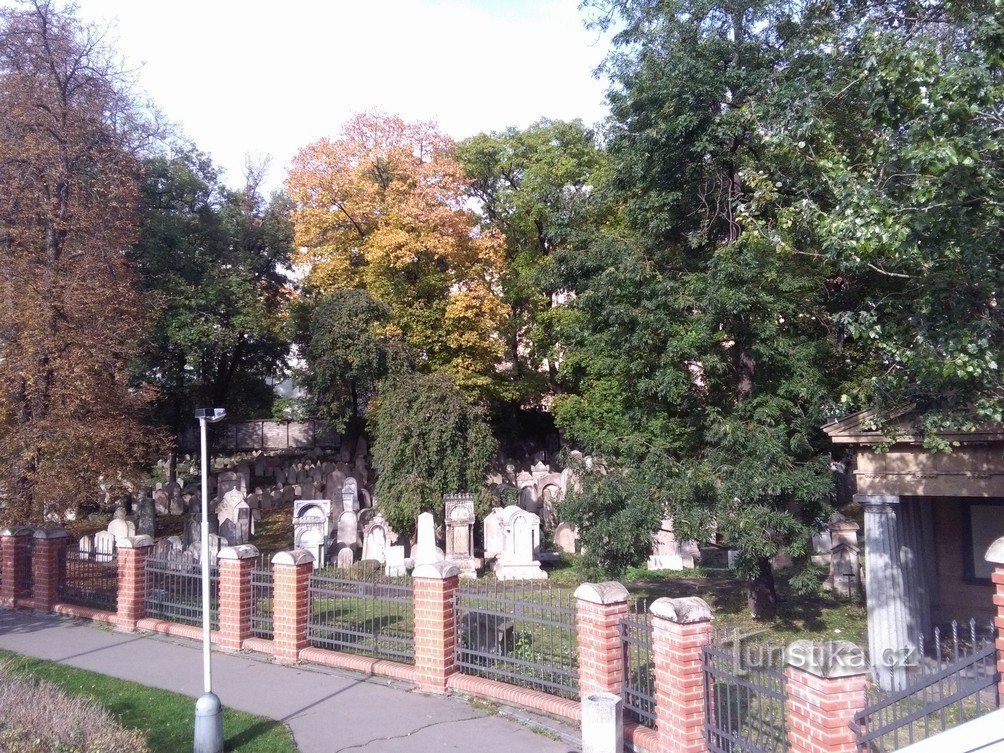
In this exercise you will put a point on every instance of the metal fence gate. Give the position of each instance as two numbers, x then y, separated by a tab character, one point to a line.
953	680
745	697
639	669
91	580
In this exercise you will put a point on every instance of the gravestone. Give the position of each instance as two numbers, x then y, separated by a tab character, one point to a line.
226	510
345	557
162	502
347	533
244	471
566	538
86	547
350	494
494	534
227	482
119	527
146	519
426	552
522	540
667	553
312	526
845	563
459	517
377	536
307	490
395	567
104	546
175	542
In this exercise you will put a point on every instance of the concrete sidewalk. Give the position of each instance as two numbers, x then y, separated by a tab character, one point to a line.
329	711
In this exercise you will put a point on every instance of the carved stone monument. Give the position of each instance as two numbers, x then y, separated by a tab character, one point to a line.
459	517
518	560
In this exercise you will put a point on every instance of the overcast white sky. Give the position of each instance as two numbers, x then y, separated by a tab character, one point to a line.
267	78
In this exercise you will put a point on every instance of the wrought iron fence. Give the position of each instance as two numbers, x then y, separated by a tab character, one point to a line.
24	575
639	669
262	594
744	685
518	632
90	580
174	589
951	680
369	614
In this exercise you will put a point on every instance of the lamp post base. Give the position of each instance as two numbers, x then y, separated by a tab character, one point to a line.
208	724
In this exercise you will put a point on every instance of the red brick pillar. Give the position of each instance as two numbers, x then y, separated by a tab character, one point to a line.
131	603
995	556
235	595
291	603
435	624
598	611
680	630
825	687
48	567
12	543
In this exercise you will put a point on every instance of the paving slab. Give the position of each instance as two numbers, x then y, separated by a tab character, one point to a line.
328	710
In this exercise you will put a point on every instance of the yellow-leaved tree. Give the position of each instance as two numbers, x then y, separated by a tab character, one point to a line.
382	208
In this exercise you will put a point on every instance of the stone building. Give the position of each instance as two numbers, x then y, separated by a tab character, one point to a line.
929	517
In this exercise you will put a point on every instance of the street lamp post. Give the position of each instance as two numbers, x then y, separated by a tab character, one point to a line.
208	710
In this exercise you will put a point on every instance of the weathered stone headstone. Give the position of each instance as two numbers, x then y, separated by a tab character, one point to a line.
85	546
104	546
119	527
394	567
350	494
377	536
667	553
459	517
426	552
494	534
845	562
162	502
311	525
146	518
345	558
522	540
228	481
348	530
566	538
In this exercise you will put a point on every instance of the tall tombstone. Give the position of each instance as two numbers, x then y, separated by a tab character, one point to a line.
227	481
350	494
146	518
225	508
377	536
104	546
347	533
311	523
333	481
426	552
460	520
244	471
162	502
494	534
522	540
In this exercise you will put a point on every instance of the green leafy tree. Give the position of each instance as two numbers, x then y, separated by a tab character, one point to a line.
348	352
698	352
534	187
210	261
427	441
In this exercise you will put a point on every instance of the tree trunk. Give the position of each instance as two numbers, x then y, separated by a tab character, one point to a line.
762	594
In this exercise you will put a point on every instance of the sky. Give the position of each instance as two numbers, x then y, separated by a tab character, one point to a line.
266	78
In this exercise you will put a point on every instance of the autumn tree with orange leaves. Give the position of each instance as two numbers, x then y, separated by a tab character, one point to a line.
382	208
71	319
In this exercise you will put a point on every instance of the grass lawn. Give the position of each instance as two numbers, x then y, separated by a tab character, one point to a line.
167	719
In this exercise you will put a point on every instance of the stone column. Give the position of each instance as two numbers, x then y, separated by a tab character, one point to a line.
131	603
915	586
598	612
995	556
12	543
885	598
680	630
48	567
291	603
435	624
825	687
235	564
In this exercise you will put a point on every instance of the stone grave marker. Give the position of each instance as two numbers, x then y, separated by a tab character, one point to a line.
395	567
426	552
119	527
104	546
146	518
86	547
460	520
566	538
522	540
494	534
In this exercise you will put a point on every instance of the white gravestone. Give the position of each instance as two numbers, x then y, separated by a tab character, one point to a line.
350	494
394	567
426	552
522	541
494	534
104	546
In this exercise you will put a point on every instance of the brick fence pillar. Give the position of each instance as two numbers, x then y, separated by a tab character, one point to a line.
131	601
680	630
435	624
291	603
599	608
995	556
12	543
235	564
825	687
48	567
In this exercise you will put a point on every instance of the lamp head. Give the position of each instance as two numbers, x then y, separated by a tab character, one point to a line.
210	415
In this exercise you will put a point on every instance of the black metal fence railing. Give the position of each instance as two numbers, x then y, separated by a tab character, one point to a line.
24	575
639	669
518	632
953	680
174	590
370	614
744	686
262	594
89	582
